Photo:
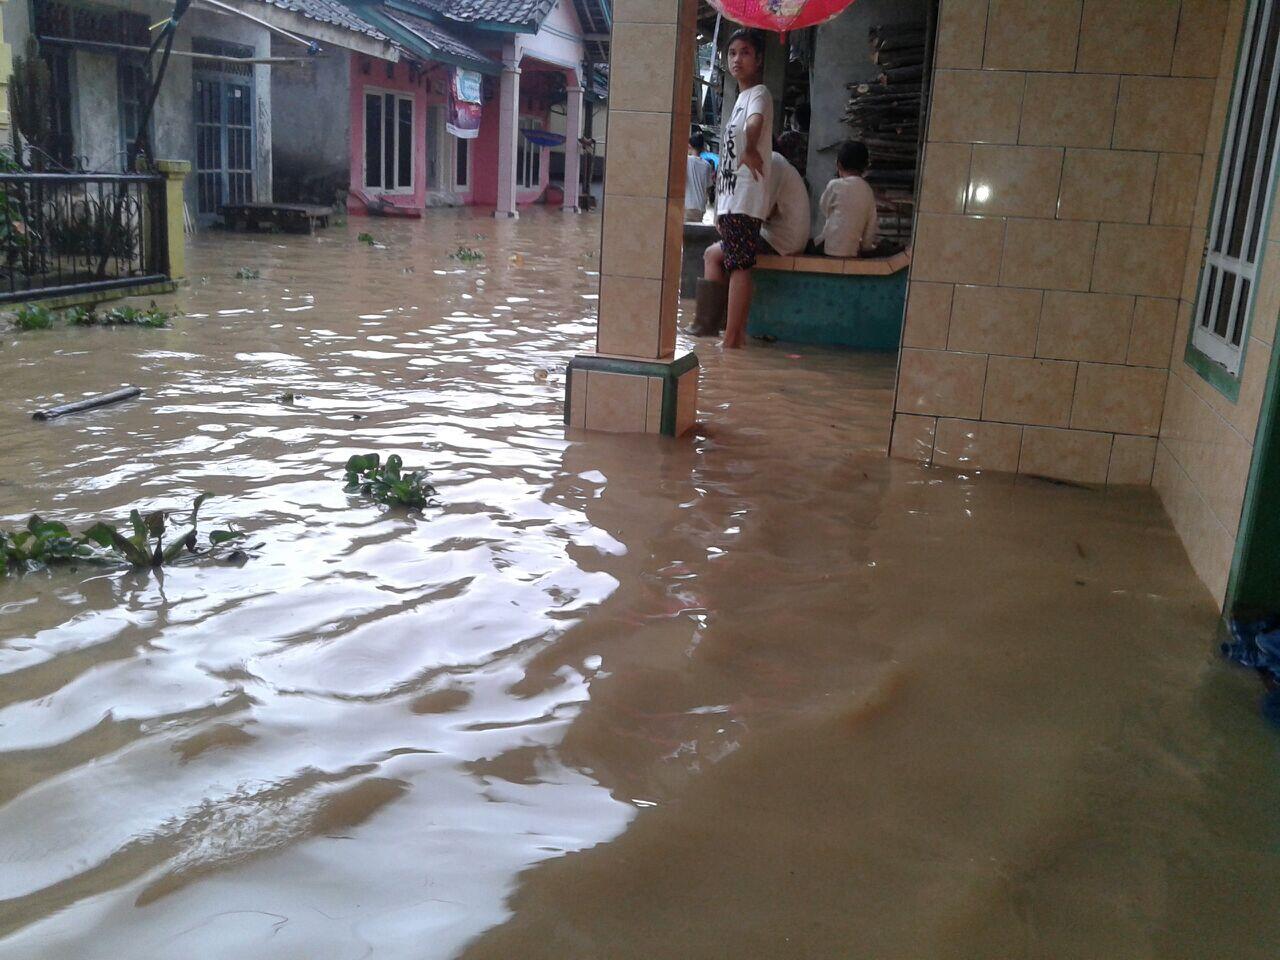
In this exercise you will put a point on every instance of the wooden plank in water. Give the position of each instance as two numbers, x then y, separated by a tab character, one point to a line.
88	403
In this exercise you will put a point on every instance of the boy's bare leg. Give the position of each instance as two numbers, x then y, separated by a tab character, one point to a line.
740	286
713	264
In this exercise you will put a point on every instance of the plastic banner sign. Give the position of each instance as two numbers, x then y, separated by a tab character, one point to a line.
464	104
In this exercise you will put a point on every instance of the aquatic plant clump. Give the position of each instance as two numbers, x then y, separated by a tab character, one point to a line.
248	273
366	238
31	316
467	254
365	474
46	542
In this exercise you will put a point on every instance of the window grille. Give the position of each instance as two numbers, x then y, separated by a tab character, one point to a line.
1242	196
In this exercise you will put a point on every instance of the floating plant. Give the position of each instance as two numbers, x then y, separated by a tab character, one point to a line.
47	542
367	475
248	273
467	254
366	238
32	316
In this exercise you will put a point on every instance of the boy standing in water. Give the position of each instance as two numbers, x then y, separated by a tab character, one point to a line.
742	200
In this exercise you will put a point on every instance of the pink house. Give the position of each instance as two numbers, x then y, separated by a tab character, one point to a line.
453	103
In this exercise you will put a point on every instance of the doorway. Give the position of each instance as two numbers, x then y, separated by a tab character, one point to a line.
224	143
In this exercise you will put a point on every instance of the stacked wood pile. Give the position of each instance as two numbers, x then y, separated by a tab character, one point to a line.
885	115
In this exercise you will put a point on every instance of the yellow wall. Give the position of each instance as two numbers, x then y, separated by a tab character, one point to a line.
1206	441
6	70
1061	170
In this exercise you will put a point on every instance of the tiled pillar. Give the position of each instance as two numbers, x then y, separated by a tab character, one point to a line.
634	383
6	70
508	133
175	174
572	146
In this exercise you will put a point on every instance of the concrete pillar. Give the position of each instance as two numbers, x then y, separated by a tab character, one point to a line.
508	133
175	173
6	71
634	383
572	148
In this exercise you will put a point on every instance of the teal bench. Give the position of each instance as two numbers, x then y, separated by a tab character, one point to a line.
831	301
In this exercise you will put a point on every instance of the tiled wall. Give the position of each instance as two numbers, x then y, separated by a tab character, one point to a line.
1060	181
1206	440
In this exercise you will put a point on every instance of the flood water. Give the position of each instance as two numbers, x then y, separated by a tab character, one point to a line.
755	693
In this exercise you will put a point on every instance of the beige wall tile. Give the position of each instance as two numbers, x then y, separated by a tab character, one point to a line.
641	170
1032	35
1068	110
950	249
962	30
1049	254
1150	341
632	236
1147	261
1181	334
643	67
1244	413
1118	399
977	445
1266	304
1029	391
941	384
1212	454
686	402
1209	547
1168	114
912	437
946	177
1110	185
1199	43
975	106
646	11
1192	265
994	320
616	402
1127	36
1177	182
578	399
928	315
629	309
653	406
1074	455
1132	460
1014	181
1085	326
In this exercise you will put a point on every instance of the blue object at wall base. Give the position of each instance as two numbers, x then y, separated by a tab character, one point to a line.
833	310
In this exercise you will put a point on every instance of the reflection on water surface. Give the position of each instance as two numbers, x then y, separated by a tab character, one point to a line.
754	693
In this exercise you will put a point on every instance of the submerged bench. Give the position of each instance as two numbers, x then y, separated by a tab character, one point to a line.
292	217
831	301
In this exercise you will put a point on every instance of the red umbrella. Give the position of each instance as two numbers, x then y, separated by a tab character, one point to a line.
780	15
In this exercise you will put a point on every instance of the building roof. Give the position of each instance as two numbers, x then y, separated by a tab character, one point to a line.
523	13
443	45
328	11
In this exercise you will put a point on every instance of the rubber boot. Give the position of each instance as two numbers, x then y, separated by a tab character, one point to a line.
712	309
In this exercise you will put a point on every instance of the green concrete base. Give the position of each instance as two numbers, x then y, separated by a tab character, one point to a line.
622	395
833	310
98	296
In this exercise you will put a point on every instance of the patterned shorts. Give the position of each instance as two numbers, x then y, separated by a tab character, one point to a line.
740	240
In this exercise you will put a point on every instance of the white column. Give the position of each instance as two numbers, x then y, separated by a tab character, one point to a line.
508	134
572	148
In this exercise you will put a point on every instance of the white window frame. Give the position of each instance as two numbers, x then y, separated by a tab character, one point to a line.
529	151
465	185
399	96
1218	263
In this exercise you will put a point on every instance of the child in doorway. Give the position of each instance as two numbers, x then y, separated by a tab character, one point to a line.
849	206
742	188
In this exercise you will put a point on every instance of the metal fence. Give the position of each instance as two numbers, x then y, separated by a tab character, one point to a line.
66	233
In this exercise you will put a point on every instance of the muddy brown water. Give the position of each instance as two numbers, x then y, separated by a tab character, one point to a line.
754	693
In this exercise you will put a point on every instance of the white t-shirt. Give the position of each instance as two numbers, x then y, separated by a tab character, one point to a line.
737	189
697	178
851	226
787	226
